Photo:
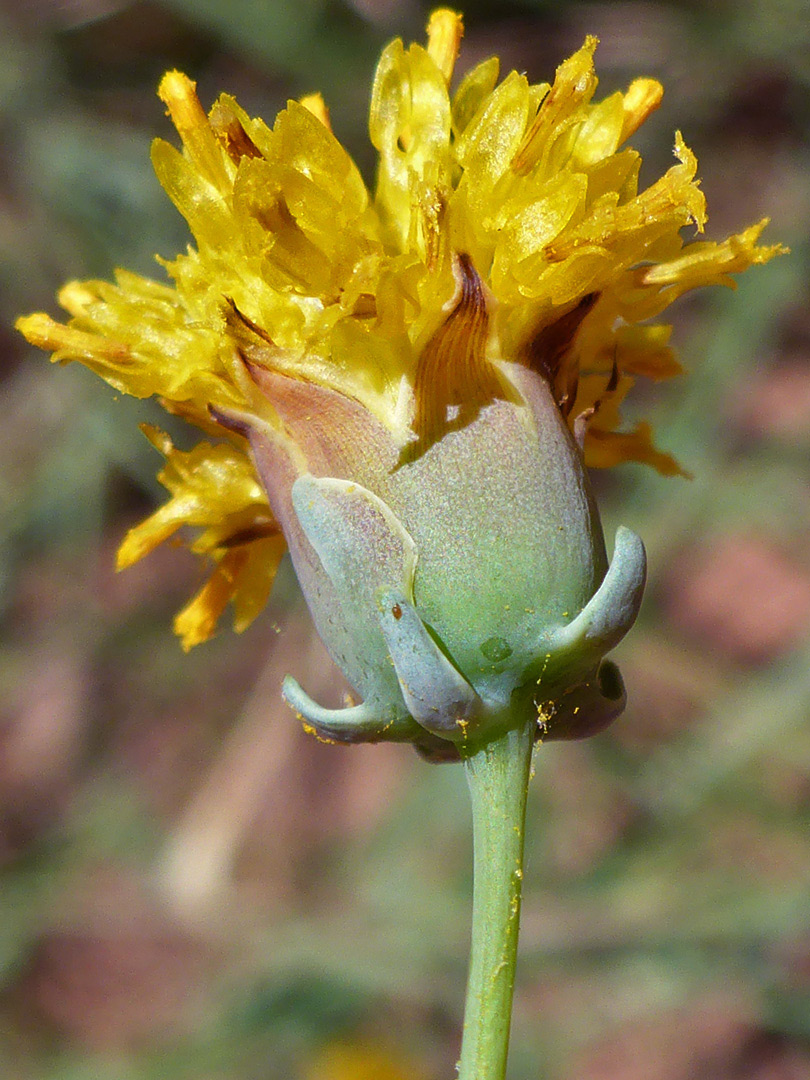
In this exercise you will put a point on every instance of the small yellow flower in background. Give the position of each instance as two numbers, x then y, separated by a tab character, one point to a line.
506	223
357	1062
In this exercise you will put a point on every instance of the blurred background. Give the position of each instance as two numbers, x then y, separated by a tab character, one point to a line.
191	888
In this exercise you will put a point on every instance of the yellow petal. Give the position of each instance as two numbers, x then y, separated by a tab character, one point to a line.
644	350
472	91
445	31
574	84
67	343
337	1062
315	104
409	124
179	94
197	621
642	98
200	200
710	263
600	132
150	533
213	488
488	144
255	580
520	249
603	449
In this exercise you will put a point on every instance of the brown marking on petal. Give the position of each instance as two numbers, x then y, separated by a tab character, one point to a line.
253	345
613	381
236	422
231	134
197	415
433	208
243	329
454	379
549	352
275	216
582	422
260	530
257	351
365	306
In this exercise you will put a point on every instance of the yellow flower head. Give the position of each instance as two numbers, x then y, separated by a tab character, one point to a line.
506	222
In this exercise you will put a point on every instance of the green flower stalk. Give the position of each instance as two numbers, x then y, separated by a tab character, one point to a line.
404	389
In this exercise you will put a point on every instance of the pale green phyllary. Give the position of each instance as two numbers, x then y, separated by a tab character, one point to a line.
404	388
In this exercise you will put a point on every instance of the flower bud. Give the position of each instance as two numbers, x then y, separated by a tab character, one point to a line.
404	385
449	574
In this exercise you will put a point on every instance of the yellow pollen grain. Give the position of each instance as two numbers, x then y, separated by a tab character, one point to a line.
310	730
